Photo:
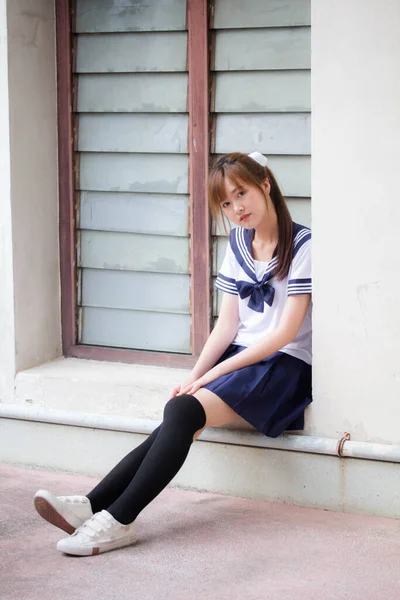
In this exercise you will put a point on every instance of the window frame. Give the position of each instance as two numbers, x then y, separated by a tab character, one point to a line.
199	224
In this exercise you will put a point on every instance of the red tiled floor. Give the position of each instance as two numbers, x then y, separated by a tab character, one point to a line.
196	546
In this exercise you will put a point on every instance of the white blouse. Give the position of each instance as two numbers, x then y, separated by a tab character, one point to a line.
261	296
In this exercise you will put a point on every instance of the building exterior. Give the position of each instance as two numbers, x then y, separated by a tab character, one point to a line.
107	255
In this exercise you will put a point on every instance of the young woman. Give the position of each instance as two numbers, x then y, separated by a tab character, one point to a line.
256	363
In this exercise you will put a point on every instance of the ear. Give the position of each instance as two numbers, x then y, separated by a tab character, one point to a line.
267	186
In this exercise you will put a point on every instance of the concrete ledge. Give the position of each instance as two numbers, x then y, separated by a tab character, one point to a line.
138	391
101	388
224	435
318	481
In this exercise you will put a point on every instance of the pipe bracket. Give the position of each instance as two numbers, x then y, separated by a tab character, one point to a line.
341	443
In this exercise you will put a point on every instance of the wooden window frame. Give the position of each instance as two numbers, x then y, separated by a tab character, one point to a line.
198	142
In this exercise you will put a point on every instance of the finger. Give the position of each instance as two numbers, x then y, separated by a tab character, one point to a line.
193	388
188	389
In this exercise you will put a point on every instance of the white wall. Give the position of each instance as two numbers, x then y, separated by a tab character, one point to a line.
356	216
356	158
7	354
33	133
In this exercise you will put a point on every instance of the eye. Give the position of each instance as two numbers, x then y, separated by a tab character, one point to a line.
225	204
240	194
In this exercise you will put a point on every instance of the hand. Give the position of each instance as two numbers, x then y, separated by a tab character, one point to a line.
193	387
177	390
208	377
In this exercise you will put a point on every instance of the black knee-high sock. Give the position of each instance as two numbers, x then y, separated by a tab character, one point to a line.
183	416
117	480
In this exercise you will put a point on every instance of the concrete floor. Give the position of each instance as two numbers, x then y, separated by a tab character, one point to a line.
196	546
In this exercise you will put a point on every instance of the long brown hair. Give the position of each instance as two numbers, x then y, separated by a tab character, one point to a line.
241	169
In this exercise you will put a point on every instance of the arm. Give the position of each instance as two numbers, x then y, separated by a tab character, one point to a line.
290	323
221	336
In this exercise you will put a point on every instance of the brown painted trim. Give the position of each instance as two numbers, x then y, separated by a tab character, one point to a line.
211	13
75	132
213	127
211	48
69	210
65	174
213	89
72	4
213	80
164	359
198	93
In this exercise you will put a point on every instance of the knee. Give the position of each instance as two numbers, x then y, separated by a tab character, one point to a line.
185	410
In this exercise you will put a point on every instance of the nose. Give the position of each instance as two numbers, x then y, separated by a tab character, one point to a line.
239	208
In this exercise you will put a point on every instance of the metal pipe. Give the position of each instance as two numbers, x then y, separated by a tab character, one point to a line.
290	442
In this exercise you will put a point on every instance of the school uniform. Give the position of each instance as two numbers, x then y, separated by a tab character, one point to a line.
272	394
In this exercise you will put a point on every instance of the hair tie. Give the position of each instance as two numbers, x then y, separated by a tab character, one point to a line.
259	158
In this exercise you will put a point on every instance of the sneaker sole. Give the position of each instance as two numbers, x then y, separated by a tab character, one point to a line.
87	551
49	514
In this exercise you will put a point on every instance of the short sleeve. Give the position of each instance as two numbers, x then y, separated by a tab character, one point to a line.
300	271
226	281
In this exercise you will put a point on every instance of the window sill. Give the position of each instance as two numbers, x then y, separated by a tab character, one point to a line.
92	386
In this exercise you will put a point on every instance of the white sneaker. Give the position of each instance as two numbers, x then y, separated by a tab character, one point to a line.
99	534
66	512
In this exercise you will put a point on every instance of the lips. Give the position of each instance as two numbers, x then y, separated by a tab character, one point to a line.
244	218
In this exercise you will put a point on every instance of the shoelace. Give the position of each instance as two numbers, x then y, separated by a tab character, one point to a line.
96	524
74	499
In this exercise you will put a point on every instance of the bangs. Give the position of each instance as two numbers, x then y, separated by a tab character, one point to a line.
216	188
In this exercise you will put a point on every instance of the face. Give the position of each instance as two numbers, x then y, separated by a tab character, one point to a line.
245	205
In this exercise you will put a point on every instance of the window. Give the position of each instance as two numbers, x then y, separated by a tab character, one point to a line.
147	94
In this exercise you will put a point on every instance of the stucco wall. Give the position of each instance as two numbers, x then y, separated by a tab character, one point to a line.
356	215
355	211
7	362
33	134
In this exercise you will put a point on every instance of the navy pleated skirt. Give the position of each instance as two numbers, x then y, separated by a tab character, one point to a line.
271	395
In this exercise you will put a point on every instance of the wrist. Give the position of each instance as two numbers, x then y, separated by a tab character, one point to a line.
195	374
200	368
216	371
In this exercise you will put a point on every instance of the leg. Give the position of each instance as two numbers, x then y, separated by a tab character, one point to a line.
117	480
114	484
218	413
184	418
70	512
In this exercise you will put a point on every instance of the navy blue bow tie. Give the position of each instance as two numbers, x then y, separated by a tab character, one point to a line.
259	293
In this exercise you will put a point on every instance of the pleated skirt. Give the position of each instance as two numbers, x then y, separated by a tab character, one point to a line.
271	395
